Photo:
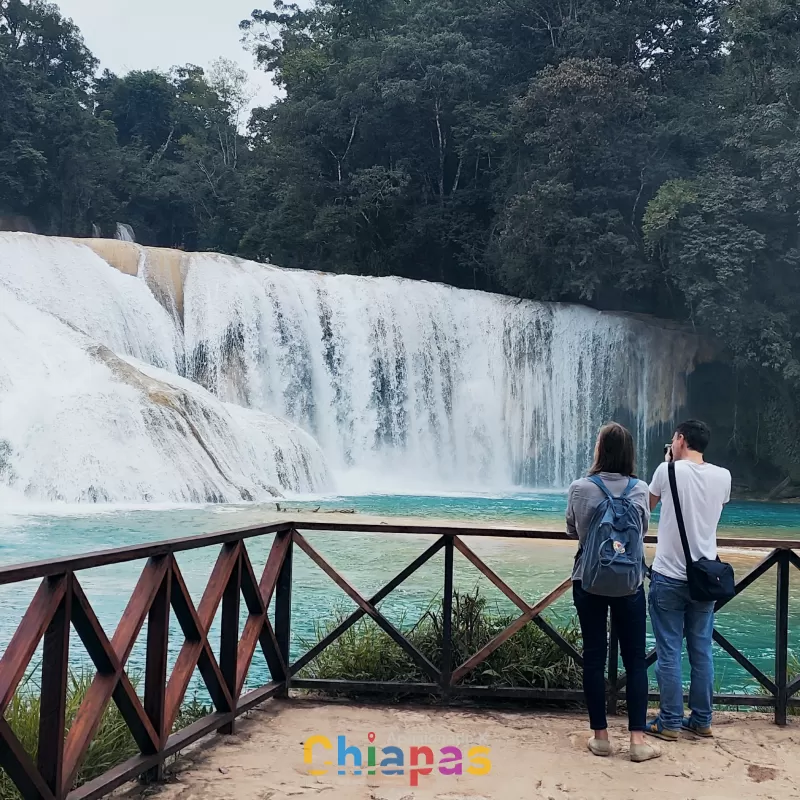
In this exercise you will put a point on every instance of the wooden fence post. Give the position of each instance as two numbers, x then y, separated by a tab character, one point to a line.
229	635
55	676
447	619
283	610
782	638
155	676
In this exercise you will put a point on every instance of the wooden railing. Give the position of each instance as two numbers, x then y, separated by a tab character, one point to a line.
61	604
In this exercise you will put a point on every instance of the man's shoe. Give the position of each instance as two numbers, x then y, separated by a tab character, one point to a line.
690	726
655	727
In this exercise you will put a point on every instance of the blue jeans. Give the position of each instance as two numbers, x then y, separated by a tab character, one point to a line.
675	615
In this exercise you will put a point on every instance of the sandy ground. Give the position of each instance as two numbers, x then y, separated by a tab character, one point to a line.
533	755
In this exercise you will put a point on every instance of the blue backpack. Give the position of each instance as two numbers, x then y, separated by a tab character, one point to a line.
613	553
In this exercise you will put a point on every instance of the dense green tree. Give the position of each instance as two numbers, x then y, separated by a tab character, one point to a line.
55	157
727	237
181	152
590	148
631	155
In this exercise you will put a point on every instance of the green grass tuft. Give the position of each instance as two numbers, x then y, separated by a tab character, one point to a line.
112	743
530	658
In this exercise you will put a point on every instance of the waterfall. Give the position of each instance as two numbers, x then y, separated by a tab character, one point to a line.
407	385
230	379
124	233
92	408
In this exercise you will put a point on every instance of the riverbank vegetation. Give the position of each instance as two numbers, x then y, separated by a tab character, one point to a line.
530	658
112	743
638	156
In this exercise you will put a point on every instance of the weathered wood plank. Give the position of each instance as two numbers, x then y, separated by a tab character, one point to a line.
119	555
53	694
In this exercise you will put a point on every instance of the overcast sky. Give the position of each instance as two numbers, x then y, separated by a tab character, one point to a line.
158	34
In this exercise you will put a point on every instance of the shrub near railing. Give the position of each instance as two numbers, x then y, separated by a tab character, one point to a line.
529	659
112	744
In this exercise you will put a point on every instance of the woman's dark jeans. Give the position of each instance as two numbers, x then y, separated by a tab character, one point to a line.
629	615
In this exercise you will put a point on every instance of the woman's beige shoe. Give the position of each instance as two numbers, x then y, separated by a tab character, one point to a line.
600	747
644	752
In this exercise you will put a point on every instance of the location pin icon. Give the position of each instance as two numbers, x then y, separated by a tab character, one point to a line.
371	737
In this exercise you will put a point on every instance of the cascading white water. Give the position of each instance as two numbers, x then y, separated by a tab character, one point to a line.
80	423
405	386
74	285
409	385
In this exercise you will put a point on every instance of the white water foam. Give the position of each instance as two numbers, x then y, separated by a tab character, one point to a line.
78	424
70	282
404	386
408	385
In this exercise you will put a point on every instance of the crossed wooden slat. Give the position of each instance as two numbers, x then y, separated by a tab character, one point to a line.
529	613
373	601
367	607
13	757
232	573
258	628
751	577
195	624
111	679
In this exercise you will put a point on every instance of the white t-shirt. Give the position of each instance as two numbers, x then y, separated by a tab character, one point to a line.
703	489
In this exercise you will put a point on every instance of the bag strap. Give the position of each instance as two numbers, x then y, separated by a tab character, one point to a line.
673	485
631	483
599	483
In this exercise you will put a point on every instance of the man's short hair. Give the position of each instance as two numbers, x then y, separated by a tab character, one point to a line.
696	433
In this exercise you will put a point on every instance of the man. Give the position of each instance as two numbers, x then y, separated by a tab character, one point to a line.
703	490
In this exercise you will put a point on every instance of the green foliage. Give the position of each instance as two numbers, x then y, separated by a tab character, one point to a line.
666	207
112	743
637	156
530	658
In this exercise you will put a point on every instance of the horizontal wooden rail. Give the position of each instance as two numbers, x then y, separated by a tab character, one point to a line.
137	552
31	570
161	595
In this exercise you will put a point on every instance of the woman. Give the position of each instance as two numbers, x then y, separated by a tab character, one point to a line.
614	465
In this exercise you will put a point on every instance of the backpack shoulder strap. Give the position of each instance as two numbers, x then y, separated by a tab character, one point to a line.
629	488
673	485
597	481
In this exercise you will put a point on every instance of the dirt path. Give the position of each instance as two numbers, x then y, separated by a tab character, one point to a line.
534	756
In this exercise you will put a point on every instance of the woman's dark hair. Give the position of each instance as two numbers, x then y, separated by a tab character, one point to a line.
614	451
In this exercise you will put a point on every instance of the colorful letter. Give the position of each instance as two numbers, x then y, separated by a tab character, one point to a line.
455	760
397	761
371	759
479	761
345	751
308	753
416	771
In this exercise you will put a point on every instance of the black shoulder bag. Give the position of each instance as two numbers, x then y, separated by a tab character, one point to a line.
708	580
